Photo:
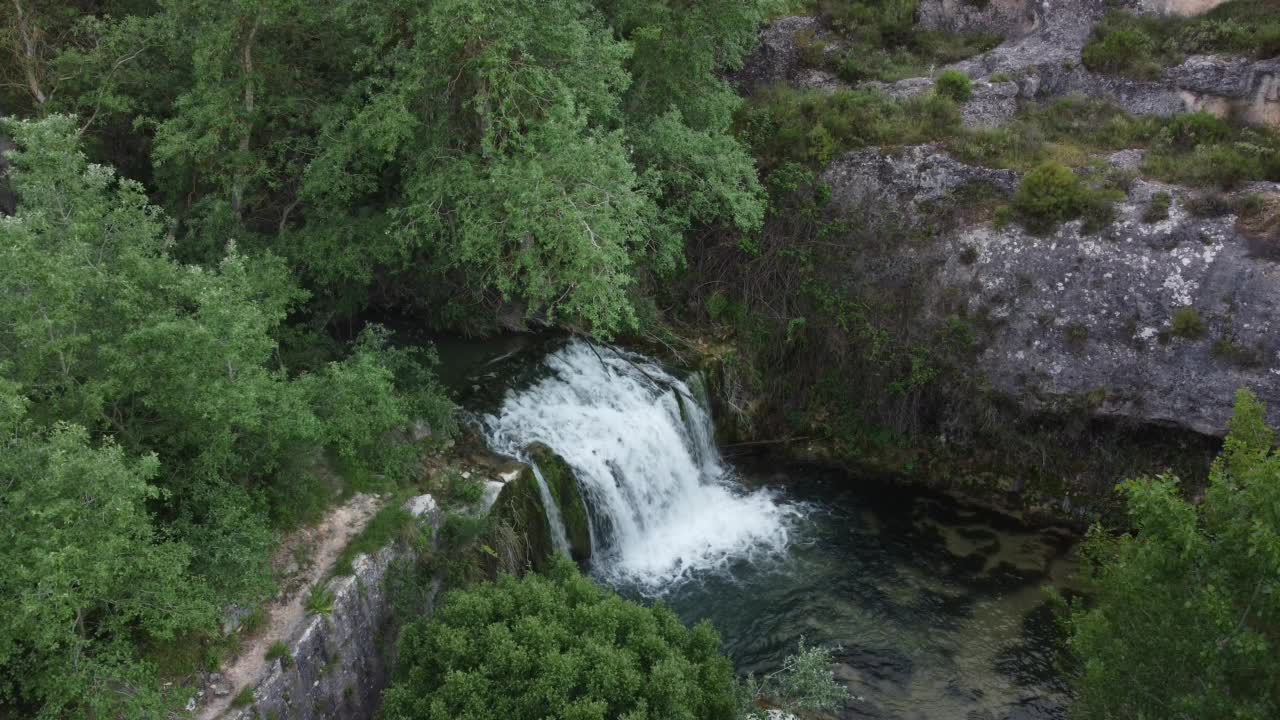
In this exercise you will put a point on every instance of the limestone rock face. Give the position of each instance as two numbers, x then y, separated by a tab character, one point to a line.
338	661
1089	319
778	58
1007	18
908	183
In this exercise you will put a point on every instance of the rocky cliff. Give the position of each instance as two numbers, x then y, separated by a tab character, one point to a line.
1091	317
1155	318
1040	60
337	664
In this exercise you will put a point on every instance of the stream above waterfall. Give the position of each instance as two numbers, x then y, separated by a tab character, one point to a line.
936	608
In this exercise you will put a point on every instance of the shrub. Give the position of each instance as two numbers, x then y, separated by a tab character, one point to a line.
1187	130
319	600
514	648
1048	196
279	651
953	84
1187	324
1126	51
1158	208
1223	166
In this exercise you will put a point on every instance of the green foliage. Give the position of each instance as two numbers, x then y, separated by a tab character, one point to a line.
386	526
279	651
1182	615
85	571
1158	208
1121	47
557	646
1187	324
1049	195
179	362
804	684
785	125
244	698
1141	46
319	600
954	84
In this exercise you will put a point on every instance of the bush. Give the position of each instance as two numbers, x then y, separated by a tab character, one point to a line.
557	646
1049	195
953	84
1122	51
1158	208
319	600
1188	130
279	651
1187	324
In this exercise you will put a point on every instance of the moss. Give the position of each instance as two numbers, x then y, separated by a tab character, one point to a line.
519	505
564	488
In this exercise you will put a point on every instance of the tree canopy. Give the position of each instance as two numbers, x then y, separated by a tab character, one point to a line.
1183	615
153	435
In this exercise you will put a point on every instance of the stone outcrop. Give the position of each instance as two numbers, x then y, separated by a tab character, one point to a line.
565	492
337	666
908	183
780	56
520	504
1040	61
1006	18
1093	317
1088	319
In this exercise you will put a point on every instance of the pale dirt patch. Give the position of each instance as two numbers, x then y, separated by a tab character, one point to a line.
310	553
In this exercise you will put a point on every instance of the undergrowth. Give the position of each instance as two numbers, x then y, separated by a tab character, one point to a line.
1142	46
878	41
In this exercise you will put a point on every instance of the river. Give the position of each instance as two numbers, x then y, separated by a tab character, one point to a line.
936	609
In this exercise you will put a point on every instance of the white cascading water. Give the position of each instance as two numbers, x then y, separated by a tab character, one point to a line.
663	507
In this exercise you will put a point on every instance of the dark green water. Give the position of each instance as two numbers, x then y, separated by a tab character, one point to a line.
938	607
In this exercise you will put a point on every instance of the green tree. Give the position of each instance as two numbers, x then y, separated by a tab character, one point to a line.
84	573
557	646
1183	615
103	329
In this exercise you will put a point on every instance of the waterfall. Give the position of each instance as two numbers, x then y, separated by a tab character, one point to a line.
662	504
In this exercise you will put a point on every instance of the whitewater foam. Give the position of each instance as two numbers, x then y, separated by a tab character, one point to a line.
663	506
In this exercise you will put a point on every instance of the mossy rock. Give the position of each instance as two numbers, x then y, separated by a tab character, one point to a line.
564	488
520	505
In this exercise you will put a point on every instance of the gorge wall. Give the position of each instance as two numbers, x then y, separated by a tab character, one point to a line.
1150	320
